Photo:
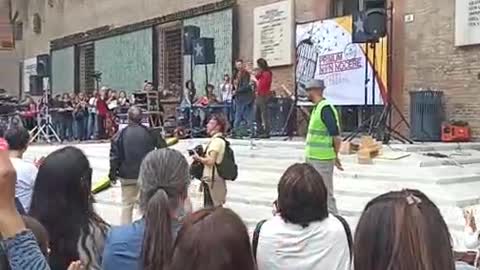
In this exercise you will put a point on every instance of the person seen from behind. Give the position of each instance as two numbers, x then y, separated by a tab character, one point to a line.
302	234
263	80
402	230
323	138
18	139
214	186
128	148
62	201
19	243
147	243
213	239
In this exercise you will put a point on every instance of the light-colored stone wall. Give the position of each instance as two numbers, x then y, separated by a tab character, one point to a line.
9	72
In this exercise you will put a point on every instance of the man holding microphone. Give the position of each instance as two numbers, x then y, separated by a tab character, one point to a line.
323	138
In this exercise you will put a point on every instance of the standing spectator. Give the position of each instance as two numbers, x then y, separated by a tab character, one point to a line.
128	148
18	140
302	235
214	186
123	99
110	122
323	138
102	112
80	115
213	239
226	88
112	101
147	243
30	115
92	115
123	102
67	117
244	98
402	230
263	79
57	116
62	201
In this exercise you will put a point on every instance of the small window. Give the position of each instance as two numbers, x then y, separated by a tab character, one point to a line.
18	31
37	23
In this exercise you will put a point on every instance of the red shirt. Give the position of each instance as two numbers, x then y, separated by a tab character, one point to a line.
264	84
102	108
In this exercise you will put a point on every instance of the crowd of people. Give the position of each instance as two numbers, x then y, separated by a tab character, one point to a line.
79	116
245	97
47	218
397	230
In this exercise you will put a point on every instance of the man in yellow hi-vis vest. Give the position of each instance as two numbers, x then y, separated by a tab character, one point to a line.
323	138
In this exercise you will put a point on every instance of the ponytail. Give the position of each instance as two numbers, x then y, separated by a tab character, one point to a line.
158	239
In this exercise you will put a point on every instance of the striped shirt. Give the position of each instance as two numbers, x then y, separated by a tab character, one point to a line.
24	253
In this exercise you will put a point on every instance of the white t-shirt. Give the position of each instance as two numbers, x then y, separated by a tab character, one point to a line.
26	175
286	246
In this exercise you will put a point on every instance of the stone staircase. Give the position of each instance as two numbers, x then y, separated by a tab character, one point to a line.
453	183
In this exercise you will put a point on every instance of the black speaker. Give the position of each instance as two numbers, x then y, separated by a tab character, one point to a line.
190	34
204	51
43	65
371	4
369	26
36	85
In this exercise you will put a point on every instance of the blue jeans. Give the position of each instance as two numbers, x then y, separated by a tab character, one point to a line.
243	114
79	128
228	111
67	128
91	125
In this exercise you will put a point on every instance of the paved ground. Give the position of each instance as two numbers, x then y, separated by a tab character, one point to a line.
453	183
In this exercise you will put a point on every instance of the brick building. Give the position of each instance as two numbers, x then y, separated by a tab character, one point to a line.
88	36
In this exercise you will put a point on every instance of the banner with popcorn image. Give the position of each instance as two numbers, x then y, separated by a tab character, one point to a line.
324	50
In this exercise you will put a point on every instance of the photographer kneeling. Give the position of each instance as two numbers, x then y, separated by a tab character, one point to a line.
214	186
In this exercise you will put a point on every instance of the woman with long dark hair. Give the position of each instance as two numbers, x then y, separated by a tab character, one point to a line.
147	243
63	203
263	79
213	239
402	230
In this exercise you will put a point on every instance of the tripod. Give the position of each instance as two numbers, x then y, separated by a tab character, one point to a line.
381	127
44	129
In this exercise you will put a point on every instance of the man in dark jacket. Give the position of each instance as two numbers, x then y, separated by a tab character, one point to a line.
128	149
244	97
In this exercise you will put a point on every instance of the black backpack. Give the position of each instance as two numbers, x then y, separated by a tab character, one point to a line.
228	169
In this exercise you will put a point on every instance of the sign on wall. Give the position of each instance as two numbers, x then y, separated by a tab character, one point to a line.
273	33
325	51
29	69
467	22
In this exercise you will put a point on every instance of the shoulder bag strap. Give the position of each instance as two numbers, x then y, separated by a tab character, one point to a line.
256	236
346	227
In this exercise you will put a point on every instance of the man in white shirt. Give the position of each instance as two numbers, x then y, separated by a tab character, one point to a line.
18	139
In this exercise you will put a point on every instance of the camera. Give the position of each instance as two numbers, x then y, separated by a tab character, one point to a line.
198	149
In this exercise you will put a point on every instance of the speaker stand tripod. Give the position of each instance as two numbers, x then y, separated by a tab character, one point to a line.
44	130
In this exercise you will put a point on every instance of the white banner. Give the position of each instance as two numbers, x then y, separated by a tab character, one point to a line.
467	22
273	33
325	51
